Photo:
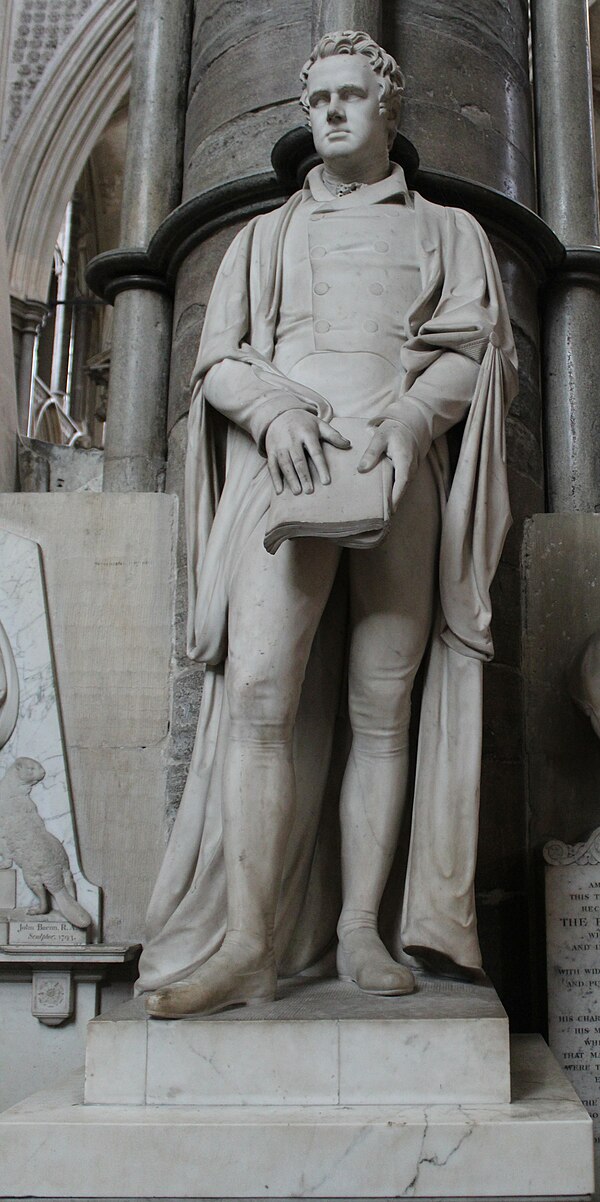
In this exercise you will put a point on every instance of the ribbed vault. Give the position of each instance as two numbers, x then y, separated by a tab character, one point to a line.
49	146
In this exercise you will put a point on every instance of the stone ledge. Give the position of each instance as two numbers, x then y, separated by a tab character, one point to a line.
53	1146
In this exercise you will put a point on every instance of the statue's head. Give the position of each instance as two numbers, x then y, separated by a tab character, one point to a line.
26	770
351	95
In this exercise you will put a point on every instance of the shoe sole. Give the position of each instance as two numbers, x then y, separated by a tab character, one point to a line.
377	992
255	1001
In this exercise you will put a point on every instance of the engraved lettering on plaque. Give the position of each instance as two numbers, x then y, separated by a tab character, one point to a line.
573	955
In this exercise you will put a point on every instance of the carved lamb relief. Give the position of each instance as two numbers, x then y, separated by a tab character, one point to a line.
50	900
25	842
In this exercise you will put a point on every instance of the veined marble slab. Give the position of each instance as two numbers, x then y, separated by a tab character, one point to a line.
38	732
110	570
54	1146
573	964
8	888
320	1043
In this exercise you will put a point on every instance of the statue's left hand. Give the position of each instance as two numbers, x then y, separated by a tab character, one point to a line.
395	441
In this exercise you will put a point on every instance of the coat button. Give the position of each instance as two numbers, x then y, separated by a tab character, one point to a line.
370	326
321	327
317	252
321	289
376	289
382	247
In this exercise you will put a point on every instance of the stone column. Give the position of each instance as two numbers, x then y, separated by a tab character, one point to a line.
467	109
568	193
8	400
26	317
568	189
80	388
329	15
135	427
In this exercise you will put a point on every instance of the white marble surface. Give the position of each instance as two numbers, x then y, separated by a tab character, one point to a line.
362	245
320	1043
573	966
33	1056
44	931
52	1145
38	730
220	1065
8	888
110	573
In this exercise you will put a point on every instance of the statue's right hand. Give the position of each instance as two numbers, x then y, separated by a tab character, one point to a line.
293	438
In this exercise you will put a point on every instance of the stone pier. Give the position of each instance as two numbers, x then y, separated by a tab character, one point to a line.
134	458
568	188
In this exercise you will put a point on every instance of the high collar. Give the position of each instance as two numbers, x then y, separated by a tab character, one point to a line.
394	184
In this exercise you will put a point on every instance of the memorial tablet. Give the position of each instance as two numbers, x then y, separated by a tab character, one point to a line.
573	958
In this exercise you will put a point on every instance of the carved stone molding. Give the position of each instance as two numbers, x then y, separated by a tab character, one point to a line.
55	972
186	227
559	854
82	87
293	155
581	265
26	315
52	997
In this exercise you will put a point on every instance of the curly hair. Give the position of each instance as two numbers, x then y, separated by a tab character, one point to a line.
352	41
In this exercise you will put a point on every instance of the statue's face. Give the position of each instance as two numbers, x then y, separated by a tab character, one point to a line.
343	97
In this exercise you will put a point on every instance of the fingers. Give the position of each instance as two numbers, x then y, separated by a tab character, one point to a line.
275	473
375	451
291	467
398	489
302	470
291	452
289	472
313	448
327	433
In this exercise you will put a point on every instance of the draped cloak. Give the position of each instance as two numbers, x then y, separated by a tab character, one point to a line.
460	308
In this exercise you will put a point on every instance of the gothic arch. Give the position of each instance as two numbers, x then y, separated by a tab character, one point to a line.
47	149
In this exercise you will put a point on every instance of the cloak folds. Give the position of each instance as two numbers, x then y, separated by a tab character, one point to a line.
460	309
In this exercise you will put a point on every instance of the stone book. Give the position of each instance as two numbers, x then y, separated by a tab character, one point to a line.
354	510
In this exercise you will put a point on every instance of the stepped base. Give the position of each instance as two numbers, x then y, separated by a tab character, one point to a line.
54	1146
321	1043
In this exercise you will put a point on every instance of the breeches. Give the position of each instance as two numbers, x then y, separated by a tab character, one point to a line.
275	606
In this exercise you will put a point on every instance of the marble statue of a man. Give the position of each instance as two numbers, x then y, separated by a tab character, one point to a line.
355	299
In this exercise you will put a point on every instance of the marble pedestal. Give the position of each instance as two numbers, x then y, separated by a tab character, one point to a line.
56	1145
322	1043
